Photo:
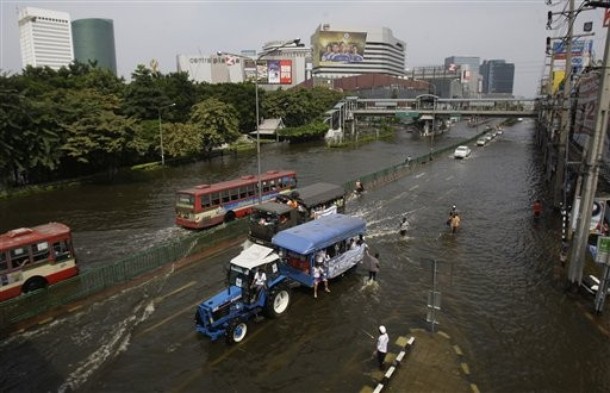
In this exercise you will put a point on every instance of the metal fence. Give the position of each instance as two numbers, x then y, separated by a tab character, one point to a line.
95	280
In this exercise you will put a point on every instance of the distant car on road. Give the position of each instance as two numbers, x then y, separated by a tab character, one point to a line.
481	142
462	152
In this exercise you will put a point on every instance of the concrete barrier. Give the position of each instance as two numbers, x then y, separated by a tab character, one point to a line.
405	346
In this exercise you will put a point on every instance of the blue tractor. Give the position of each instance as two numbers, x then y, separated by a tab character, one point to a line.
228	312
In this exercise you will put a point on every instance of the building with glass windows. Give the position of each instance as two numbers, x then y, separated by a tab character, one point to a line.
498	77
94	42
45	37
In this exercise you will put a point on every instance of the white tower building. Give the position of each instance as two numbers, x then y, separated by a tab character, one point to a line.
45	37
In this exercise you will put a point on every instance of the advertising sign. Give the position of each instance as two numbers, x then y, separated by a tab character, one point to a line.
338	47
603	250
286	72
579	48
250	71
586	103
273	70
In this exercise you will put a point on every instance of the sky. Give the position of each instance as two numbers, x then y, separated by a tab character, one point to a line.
512	30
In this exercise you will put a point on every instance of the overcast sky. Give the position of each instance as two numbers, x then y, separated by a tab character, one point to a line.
433	29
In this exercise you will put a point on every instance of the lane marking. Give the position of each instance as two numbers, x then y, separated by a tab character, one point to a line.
171	317
182	288
465	368
414	187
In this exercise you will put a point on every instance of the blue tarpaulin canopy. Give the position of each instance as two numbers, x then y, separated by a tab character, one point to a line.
318	234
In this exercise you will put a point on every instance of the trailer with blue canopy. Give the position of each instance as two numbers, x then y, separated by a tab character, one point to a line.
334	236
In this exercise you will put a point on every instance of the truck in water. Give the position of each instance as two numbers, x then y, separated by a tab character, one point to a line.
300	206
289	262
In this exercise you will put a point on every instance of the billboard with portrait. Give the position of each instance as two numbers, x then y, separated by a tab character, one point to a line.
338	47
273	72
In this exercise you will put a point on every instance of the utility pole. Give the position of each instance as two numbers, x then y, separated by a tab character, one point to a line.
559	186
591	170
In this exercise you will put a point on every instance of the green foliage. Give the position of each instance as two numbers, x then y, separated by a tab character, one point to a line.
181	140
308	132
101	138
57	124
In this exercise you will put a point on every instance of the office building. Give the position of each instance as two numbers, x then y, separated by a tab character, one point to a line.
471	77
94	42
341	51
498	77
45	37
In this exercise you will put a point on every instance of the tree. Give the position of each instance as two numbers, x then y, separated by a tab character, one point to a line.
216	121
101	138
181	140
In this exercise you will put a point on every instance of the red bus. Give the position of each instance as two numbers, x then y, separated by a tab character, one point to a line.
209	204
32	258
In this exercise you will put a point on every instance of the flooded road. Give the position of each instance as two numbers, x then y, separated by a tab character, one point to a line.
500	300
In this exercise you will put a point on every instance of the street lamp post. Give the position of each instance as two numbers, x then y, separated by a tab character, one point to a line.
161	131
295	41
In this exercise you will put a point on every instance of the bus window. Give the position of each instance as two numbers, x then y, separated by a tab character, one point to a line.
40	252
225	196
234	194
243	193
265	187
215	199
3	262
205	201
251	190
61	250
19	257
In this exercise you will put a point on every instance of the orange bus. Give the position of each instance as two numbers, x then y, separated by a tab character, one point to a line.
209	204
32	258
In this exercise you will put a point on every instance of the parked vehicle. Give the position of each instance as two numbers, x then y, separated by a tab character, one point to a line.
461	152
206	205
314	201
287	264
33	258
481	142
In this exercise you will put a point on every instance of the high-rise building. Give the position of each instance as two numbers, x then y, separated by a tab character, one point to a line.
45	37
470	75
94	42
498	77
340	51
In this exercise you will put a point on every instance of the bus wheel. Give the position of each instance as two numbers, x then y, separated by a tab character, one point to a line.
277	302
230	216
236	332
34	284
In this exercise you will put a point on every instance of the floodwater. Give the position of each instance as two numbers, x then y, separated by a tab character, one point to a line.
500	299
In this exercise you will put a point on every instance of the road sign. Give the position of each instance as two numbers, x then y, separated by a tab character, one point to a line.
603	250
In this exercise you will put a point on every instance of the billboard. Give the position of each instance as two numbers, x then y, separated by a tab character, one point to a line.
286	72
338	47
579	48
272	72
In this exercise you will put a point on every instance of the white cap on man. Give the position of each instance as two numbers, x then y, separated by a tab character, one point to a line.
382	329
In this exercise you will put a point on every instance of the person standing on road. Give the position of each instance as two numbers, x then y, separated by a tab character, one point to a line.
372	264
382	346
537	208
455	222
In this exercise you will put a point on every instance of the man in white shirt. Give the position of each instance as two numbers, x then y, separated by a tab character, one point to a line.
259	282
382	346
